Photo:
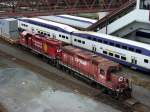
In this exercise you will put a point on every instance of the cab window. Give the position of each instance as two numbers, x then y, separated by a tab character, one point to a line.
102	72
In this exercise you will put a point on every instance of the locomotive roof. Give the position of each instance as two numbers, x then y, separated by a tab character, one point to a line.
103	62
49	40
86	55
71	49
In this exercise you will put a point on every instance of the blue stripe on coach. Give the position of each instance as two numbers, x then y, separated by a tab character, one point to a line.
144	51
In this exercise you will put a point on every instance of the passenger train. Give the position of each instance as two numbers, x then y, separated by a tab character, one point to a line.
127	52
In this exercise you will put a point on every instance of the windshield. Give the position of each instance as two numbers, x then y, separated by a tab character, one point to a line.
145	4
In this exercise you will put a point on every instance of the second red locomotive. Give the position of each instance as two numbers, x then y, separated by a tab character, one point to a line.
86	64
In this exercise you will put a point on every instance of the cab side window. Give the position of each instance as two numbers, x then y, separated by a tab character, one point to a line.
102	72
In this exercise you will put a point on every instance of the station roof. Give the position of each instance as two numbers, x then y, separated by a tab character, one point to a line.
74	21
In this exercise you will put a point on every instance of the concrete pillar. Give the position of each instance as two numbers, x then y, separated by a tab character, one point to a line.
138	4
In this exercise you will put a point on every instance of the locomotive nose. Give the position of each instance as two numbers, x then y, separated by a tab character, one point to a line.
123	82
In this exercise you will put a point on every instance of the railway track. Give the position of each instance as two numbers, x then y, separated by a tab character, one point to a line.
129	105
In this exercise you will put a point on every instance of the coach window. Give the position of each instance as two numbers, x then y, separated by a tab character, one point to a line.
79	41
117	45
146	60
138	51
99	40
123	58
63	36
111	43
66	37
75	40
83	42
94	39
105	52
124	47
110	54
131	49
42	33
105	42
38	31
48	35
89	38
117	56
59	35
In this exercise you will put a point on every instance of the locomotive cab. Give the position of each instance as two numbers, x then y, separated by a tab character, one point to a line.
105	73
24	40
106	69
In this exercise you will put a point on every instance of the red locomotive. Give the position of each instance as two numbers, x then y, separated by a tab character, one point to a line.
86	64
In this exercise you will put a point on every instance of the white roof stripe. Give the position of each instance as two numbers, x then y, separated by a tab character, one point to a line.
66	27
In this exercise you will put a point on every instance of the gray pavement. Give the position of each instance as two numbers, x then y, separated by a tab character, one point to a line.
23	91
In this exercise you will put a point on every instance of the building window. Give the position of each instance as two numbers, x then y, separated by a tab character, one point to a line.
146	60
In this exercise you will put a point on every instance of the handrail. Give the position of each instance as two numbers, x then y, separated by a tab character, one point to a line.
128	6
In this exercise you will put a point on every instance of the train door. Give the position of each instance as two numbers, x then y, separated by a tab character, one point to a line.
32	29
94	48
133	60
54	36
